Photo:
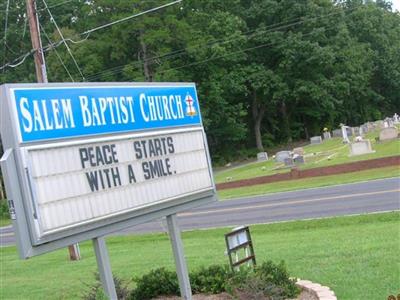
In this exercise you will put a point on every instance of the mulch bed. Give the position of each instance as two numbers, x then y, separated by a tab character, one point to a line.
304	295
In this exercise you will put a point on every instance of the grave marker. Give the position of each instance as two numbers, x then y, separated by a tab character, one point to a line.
316	139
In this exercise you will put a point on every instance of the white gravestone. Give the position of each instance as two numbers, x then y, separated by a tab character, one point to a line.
361	147
379	124
387	134
327	135
281	155
396	118
337	133
356	131
316	140
344	134
262	156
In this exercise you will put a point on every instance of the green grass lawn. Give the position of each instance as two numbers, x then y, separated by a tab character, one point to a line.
330	152
4	221
358	257
312	182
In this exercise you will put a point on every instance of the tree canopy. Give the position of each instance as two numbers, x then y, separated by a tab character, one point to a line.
267	71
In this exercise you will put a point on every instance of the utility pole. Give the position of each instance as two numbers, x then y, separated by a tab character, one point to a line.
40	65
41	75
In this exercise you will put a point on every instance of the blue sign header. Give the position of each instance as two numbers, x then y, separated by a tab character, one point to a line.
55	113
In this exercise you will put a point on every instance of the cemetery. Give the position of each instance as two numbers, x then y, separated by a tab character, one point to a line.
345	145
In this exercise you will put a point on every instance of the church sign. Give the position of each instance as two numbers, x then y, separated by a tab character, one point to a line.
84	160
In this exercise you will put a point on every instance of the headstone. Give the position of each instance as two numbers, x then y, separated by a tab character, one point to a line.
327	135
361	147
364	129
379	124
356	131
281	155
337	133
262	156
389	122
316	139
350	131
299	159
396	118
298	151
288	161
389	133
344	134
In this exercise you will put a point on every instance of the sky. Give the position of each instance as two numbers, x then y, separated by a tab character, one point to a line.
396	5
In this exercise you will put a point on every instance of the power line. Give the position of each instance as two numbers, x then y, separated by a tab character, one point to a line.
58	55
41	9
130	17
18	61
88	32
230	54
272	28
62	37
56	5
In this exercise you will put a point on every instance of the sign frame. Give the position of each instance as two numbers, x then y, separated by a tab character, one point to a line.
19	189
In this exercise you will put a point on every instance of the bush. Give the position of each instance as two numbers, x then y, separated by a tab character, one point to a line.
267	281
4	209
211	280
156	283
96	292
253	287
278	275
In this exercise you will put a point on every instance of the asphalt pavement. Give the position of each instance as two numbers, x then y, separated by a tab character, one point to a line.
347	199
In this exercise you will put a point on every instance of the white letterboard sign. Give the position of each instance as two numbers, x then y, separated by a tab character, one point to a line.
97	158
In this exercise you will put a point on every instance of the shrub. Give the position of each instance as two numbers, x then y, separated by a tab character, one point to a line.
96	291
253	287
266	281
210	280
4	209
279	276
156	283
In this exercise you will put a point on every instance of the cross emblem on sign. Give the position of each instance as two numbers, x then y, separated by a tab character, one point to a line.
190	109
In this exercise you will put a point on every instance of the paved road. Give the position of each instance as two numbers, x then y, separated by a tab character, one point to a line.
357	198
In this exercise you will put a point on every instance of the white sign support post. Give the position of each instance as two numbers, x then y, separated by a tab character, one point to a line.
180	262
103	264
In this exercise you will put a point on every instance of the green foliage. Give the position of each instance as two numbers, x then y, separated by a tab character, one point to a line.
268	280
278	275
4	209
210	280
156	283
267	71
253	287
96	291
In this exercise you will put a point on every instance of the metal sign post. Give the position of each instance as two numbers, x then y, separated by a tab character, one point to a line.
103	264
179	256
